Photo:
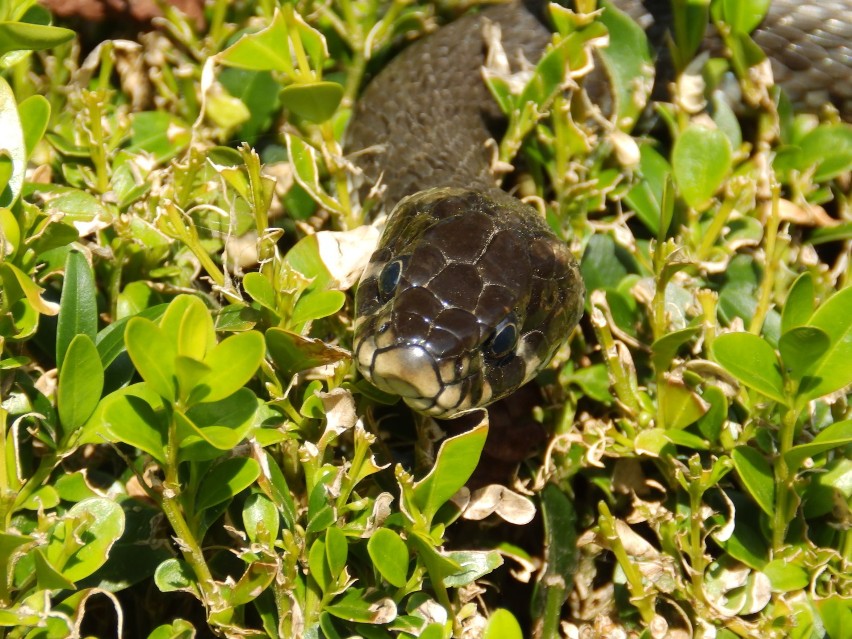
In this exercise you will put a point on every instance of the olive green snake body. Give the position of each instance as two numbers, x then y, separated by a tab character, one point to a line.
469	293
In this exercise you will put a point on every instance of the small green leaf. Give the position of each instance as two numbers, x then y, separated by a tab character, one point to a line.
225	481
81	382
24	36
316	305
80	542
752	361
786	576
128	417
17	284
801	348
389	555
153	355
78	307
35	115
502	625
681	406
336	550
233	362
222	424
260	518
196	334
315	102
260	288
646	196
456	460
701	160
829	148
664	349
800	303
473	564
756	475
833	370
318	566
628	62
834	436
173	575
48	577
263	50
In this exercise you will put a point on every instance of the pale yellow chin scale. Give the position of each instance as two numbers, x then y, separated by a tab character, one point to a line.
407	371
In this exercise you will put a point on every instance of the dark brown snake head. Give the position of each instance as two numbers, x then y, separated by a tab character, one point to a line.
467	297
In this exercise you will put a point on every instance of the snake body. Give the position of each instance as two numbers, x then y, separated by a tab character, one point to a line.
470	293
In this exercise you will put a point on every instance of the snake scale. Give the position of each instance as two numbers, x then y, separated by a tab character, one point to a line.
469	293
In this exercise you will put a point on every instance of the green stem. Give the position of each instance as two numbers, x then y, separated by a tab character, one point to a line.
784	477
768	282
190	549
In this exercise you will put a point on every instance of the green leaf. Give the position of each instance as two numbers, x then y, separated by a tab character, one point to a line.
35	115
646	196
159	133
315	102
681	406
48	577
260	288
836	615
752	361
260	518
153	355
829	148
355	606
701	160
742	17
336	551
173	575
225	481
17	284
222	424
233	362
834	436
316	305
833	371
11	136
786	576
80	542
800	303
628	61
389	555
456	460
553	583
265	50
128	417
318	567
78	306
502	625
23	36
81	382
196	334
664	349
756	475
801	348
473	564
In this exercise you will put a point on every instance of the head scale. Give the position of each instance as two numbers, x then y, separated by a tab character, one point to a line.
468	295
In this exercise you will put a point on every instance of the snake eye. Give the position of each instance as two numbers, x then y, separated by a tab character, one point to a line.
389	278
503	340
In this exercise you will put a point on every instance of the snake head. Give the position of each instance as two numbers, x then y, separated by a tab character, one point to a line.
466	298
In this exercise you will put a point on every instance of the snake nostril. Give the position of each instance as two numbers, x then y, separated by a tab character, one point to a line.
383	328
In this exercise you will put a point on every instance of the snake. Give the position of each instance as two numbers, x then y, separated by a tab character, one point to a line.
469	293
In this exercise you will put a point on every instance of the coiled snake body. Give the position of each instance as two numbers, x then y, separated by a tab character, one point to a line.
469	293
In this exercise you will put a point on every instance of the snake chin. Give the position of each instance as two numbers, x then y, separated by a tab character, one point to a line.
467	297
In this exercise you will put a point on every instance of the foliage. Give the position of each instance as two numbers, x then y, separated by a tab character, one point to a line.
180	411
